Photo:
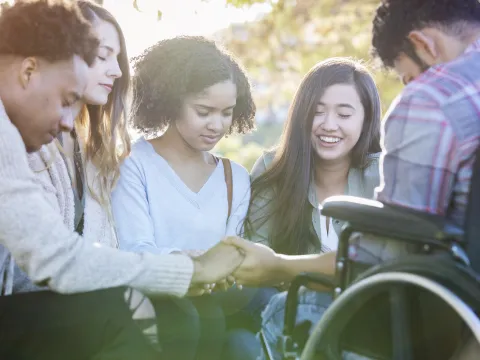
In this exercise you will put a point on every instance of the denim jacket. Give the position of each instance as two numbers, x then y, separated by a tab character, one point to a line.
361	183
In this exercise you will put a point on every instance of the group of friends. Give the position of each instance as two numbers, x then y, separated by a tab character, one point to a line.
160	249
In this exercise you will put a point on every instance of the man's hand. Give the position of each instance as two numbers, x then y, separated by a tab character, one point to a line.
261	266
216	264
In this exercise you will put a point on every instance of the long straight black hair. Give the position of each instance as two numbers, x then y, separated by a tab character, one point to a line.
288	212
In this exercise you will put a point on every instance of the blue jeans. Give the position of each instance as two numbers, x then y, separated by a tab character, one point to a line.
311	306
242	343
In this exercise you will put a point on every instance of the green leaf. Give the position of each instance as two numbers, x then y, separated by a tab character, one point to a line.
135	5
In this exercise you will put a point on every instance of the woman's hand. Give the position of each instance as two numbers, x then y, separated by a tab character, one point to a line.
261	266
226	284
215	265
200	290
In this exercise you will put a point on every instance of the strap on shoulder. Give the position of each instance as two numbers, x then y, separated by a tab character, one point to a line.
227	168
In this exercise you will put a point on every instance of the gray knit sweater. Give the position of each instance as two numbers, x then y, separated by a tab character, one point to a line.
54	256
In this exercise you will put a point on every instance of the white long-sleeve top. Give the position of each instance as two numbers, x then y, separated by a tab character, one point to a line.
155	211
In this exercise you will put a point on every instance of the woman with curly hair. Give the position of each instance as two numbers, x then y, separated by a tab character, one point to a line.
174	195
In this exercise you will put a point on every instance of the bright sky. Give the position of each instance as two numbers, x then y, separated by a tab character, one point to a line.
180	17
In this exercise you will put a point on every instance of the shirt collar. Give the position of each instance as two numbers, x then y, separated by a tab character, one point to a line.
353	178
475	46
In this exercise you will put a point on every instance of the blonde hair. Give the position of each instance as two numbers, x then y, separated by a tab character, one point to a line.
104	127
106	145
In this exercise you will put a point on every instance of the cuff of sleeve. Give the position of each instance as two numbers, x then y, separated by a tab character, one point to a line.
167	275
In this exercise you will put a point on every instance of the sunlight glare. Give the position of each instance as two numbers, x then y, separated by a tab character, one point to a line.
179	17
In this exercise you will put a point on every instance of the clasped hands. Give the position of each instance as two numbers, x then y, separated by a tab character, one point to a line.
235	261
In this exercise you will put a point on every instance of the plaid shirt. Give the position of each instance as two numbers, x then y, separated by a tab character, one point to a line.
430	138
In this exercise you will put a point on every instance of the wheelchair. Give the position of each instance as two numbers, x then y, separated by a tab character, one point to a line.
406	285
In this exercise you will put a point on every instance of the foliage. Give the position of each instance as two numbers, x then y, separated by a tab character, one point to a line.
299	33
234	148
280	48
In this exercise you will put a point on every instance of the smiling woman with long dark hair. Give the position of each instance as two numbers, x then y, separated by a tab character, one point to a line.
330	146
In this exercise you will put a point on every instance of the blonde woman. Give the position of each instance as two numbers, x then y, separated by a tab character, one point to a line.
80	170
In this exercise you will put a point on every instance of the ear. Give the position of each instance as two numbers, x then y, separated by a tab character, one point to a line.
423	45
27	69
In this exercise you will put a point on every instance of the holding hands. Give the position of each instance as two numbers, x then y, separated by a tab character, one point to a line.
261	265
215	266
235	260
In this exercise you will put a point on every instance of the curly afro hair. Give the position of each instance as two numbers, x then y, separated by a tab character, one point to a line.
51	29
166	73
395	19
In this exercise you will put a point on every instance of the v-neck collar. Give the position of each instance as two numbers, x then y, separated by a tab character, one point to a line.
205	192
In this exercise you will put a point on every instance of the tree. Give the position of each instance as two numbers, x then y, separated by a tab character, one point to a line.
281	47
234	148
299	33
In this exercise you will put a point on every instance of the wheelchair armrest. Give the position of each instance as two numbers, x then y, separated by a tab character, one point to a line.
385	220
453	232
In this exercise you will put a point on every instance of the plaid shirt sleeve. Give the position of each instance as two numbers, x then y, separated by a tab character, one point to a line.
419	160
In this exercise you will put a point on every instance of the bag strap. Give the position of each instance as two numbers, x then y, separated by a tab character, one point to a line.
227	168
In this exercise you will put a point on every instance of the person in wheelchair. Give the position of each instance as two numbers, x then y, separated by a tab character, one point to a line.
330	146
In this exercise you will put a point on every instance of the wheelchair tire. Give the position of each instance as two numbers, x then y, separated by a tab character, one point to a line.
326	333
460	279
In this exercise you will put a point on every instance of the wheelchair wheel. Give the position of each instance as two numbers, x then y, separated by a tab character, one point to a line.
454	285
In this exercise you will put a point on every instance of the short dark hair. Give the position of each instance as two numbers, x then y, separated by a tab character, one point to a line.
51	29
395	19
172	69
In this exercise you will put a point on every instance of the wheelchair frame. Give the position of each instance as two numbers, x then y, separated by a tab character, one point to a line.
343	277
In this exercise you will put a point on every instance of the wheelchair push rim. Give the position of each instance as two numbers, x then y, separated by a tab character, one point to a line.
364	289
